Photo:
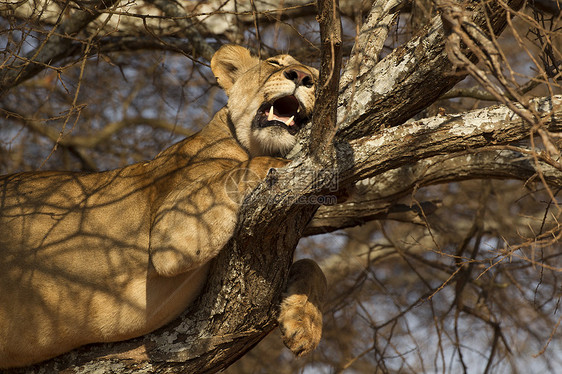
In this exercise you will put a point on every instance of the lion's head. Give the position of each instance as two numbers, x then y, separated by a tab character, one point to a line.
269	100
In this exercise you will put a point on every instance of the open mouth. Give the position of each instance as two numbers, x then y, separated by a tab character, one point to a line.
285	112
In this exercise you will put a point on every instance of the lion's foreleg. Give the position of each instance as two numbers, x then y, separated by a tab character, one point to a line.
197	219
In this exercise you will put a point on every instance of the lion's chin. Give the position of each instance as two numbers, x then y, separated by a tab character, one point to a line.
273	140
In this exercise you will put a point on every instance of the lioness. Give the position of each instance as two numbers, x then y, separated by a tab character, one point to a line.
103	257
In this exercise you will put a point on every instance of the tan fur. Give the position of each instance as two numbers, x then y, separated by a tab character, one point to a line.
108	256
300	318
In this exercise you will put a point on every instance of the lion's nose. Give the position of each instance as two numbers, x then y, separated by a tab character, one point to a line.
300	77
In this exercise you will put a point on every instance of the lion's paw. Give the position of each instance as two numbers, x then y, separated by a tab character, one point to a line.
300	322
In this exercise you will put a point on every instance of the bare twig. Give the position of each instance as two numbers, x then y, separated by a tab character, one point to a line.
55	47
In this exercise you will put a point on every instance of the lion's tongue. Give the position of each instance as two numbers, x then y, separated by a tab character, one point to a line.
272	116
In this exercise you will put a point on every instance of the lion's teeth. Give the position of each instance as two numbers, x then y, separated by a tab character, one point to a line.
270	115
289	122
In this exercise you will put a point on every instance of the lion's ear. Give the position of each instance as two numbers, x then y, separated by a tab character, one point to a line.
229	62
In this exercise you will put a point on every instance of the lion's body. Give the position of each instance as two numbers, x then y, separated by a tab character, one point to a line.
77	247
108	256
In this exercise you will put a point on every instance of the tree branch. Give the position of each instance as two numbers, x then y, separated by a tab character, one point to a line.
409	79
325	110
136	43
92	140
370	40
376	198
192	30
55	47
397	146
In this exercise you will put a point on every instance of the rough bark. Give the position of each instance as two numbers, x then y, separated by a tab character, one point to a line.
378	198
325	110
397	146
405	81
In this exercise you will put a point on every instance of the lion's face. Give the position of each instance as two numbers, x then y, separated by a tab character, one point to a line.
269	100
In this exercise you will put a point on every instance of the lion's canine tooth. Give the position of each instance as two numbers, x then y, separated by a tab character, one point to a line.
270	115
289	122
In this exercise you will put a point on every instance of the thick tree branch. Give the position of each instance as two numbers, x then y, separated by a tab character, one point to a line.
397	146
408	79
370	40
376	198
325	111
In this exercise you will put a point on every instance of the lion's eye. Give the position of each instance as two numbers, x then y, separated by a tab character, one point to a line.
274	62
